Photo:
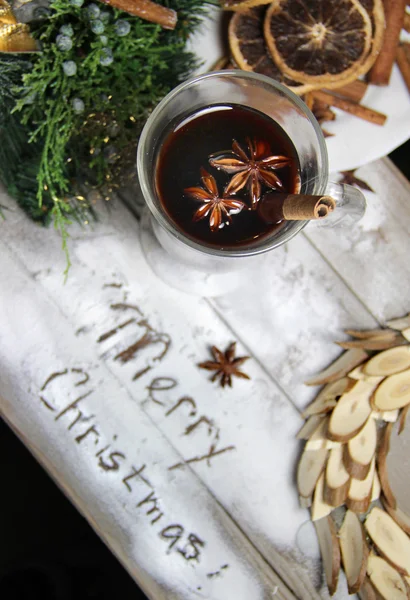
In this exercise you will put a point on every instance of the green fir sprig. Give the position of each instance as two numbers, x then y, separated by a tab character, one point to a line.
78	105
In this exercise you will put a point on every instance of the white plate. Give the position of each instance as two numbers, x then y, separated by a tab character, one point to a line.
356	142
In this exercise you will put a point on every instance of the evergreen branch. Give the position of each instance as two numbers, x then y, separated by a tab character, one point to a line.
75	110
60	223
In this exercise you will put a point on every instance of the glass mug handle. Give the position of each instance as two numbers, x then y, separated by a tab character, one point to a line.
350	206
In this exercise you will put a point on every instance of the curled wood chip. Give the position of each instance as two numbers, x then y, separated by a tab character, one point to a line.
360	450
403	417
407	582
370	333
389	416
376	489
389	539
354	550
360	492
309	427
373	343
327	397
345	363
393	392
358	374
310	468
406	334
305	502
388	362
337	479
330	551
320	406
320	508
351	412
319	438
367	591
382	466
342	439
402	519
386	580
399	324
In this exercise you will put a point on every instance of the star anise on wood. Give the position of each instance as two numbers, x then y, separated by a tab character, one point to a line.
219	209
225	365
255	168
350	179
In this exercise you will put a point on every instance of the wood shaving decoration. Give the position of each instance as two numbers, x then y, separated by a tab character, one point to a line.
344	463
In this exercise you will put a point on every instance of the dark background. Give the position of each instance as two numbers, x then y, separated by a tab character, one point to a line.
47	550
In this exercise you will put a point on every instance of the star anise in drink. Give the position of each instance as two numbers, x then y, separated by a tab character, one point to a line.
219	209
254	168
225	365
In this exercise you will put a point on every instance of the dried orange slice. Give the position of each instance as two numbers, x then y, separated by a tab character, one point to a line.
375	10
249	50
376	13
241	5
317	41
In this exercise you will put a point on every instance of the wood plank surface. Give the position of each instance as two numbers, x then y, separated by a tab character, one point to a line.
112	300
232	453
108	456
372	258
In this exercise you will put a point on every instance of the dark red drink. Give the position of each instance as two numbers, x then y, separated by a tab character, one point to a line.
214	165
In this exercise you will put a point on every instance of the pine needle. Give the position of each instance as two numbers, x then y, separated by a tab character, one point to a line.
64	131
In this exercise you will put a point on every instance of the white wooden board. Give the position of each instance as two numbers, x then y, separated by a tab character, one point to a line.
221	461
108	286
373	258
113	461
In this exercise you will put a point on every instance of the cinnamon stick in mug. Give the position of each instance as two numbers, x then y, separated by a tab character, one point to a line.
274	207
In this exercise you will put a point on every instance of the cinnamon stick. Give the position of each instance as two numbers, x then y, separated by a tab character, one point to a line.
404	65
148	10
222	64
382	68
322	111
406	22
406	48
308	100
354	90
353	108
275	207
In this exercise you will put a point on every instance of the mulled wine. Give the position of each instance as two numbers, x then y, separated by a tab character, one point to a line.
212	167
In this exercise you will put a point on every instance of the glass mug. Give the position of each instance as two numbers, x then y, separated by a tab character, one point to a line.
187	264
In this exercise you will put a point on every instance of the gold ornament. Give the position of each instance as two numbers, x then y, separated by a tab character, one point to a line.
14	36
6	13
